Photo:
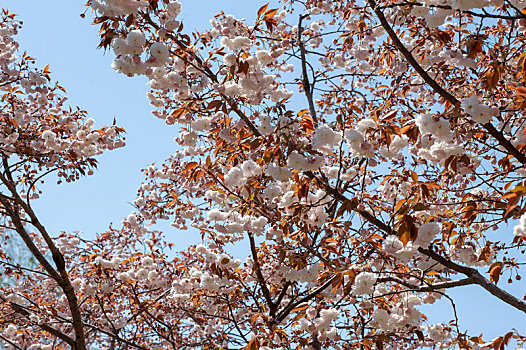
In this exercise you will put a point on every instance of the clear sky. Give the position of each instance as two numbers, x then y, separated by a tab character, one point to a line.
54	34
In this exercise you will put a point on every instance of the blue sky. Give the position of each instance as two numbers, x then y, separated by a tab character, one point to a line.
54	33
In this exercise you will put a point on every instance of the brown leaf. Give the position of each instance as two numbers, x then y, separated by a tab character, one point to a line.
414	176
129	20
390	116
485	254
215	104
474	46
521	90
495	271
492	76
337	281
179	113
511	211
300	308
386	135
404	236
190	165
519	189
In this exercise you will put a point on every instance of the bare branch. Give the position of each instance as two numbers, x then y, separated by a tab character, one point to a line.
477	278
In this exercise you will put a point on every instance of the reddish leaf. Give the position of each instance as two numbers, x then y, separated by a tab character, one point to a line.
270	14
262	9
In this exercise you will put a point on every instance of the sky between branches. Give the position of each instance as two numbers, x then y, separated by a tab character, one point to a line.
55	34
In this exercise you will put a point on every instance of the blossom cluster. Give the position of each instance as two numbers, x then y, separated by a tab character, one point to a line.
318	146
35	123
426	234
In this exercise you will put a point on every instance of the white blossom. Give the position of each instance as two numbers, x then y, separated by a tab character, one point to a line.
159	51
382	319
437	333
299	162
325	138
136	39
520	228
364	283
234	178
436	126
174	8
251	168
427	233
478	112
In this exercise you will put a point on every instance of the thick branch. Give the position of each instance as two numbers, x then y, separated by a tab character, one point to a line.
19	227
333	192
242	115
409	57
473	275
63	277
477	278
260	277
503	141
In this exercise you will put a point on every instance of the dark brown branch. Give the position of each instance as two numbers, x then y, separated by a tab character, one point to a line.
477	278
304	77
242	115
55	332
21	268
10	343
115	336
260	277
504	142
409	57
473	275
339	196
19	227
236	325
315	343
283	293
292	305
446	7
436	87
63	277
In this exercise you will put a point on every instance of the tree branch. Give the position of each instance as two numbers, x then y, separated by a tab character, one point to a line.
55	332
291	305
20	229
63	277
477	278
305	79
260	278
429	287
436	87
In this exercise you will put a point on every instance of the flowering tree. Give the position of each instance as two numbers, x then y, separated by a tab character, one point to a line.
39	135
363	151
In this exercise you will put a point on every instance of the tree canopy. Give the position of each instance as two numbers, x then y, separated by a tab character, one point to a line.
363	151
